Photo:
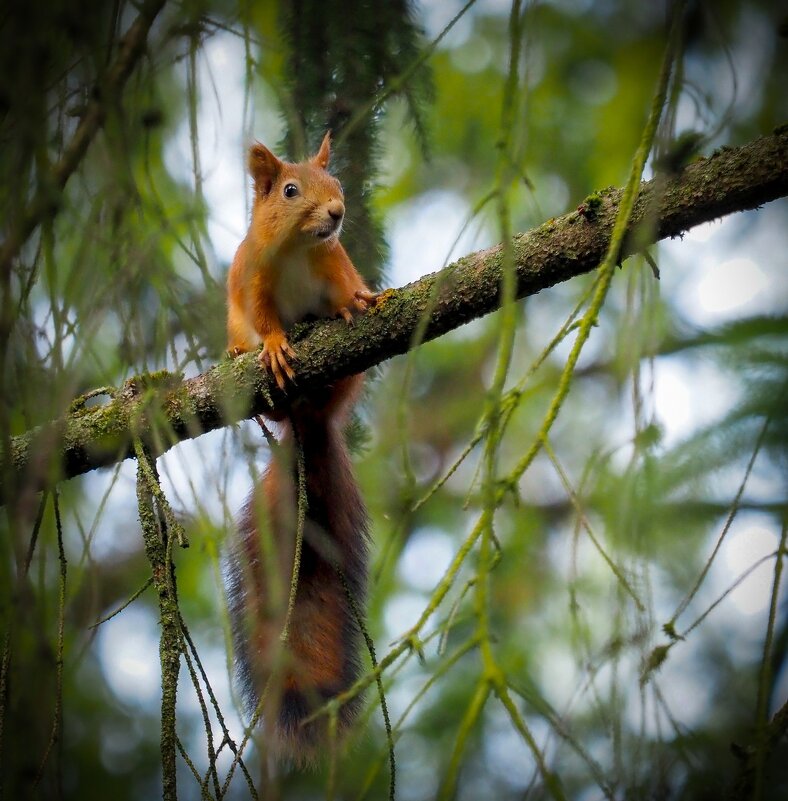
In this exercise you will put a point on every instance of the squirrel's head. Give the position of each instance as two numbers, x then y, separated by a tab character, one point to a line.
299	205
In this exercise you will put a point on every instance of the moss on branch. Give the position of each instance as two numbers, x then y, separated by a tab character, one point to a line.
162	409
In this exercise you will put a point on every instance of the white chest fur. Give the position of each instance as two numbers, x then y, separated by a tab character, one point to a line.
299	292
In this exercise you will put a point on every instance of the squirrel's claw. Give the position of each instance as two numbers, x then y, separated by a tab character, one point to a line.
370	298
274	357
345	314
363	299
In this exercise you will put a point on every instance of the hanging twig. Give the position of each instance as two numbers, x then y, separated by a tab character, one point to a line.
158	549
57	723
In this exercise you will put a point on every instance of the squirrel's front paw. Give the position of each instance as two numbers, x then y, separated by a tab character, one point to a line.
363	299
360	302
274	355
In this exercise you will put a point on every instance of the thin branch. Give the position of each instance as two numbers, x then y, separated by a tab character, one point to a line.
379	680
158	549
124	605
671	624
57	723
44	204
732	179
400	81
765	677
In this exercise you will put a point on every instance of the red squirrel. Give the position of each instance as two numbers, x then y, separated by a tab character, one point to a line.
289	267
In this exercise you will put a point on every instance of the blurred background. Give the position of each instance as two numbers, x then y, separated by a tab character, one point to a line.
662	499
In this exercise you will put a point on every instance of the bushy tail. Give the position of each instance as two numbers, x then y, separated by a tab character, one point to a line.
321	656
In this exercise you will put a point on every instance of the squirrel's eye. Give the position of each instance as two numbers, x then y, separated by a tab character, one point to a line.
291	190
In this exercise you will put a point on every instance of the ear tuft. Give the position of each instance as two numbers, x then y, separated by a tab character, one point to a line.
323	155
264	167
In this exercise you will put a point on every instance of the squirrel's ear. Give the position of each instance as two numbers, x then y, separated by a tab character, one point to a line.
264	167
324	154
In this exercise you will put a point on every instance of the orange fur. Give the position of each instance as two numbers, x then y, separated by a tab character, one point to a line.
290	266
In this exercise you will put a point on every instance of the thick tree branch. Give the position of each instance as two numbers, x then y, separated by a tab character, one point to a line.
163	410
45	202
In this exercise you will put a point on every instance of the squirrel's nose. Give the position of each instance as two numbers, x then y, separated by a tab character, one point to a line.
336	210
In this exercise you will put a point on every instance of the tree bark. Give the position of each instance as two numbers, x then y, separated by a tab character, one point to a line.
163	409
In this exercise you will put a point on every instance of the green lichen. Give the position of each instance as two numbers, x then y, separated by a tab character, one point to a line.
79	406
594	200
382	299
178	404
159	380
590	207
